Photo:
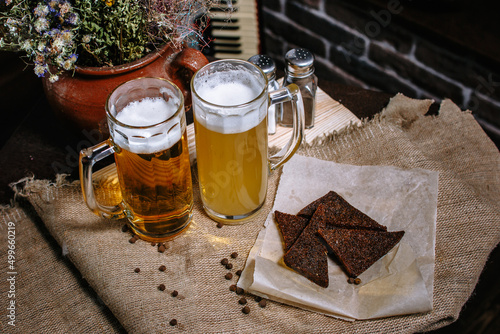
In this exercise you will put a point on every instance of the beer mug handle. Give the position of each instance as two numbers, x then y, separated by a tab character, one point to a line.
285	94
88	157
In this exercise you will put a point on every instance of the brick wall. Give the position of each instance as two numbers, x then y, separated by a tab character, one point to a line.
370	44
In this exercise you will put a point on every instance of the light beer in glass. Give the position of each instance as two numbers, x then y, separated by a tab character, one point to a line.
148	138
230	104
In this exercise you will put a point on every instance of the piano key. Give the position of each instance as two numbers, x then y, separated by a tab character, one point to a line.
240	25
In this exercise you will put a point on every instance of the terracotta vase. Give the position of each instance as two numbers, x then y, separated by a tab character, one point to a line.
78	98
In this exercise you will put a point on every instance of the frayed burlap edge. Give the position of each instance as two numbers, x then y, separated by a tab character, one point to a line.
29	185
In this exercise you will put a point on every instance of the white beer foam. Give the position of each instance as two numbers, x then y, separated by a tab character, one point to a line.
229	89
228	93
147	112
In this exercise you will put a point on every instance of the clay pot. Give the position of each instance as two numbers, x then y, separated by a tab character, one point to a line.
78	98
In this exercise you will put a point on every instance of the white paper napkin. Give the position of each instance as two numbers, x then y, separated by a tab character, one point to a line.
399	283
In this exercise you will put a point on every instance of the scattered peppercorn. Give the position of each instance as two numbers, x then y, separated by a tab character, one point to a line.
242	301
229	266
246	309
161	287
125	228
153	243
234	255
224	261
137	270
238	272
350	280
239	291
173	322
258	299
162	268
232	287
357	281
132	240
263	303
161	248
228	276
219	225
175	293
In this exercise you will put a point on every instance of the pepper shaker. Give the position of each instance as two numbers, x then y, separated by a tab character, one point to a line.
300	71
268	66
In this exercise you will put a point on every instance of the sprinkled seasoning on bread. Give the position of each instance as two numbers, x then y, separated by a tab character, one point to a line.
358	250
342	214
308	211
308	255
291	227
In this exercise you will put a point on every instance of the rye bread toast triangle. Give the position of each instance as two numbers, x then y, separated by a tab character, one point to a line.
338	212
308	210
346	216
357	250
291	226
308	255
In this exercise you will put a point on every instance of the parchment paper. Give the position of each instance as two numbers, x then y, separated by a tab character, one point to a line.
399	283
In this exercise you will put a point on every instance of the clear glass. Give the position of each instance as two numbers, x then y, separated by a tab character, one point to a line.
151	153
272	118
308	86
230	105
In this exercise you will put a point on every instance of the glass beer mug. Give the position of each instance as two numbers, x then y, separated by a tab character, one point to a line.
148	138
230	103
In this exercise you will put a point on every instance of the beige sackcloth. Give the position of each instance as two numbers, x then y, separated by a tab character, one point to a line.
98	291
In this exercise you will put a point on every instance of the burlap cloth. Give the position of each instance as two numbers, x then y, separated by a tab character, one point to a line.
51	295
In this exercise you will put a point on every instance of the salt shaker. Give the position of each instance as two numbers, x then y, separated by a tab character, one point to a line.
300	71
268	66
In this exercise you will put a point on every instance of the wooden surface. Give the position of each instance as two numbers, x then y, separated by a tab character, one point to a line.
35	143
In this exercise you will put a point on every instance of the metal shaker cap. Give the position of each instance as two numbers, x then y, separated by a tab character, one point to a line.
266	64
299	62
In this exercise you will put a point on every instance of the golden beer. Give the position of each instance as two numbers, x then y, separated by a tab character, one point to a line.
156	189
230	107
232	169
148	137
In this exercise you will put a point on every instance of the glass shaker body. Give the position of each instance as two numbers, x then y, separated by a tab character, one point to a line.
300	71
308	86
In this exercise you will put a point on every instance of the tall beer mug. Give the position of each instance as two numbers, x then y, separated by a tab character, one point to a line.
148	138
230	103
